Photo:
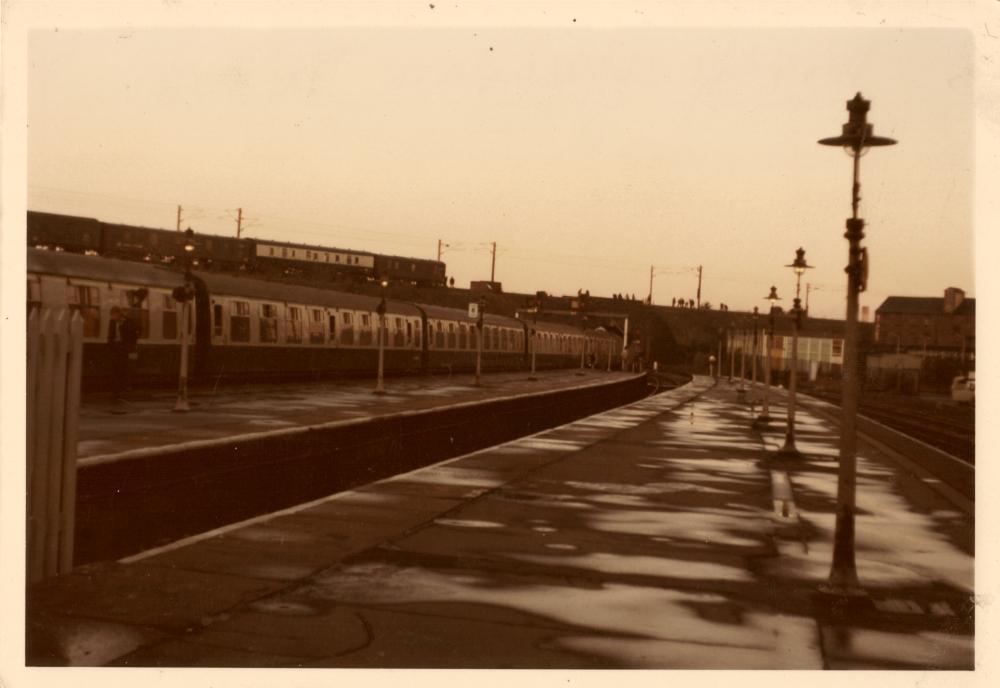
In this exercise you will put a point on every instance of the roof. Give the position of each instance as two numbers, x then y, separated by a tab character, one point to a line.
923	305
228	285
101	269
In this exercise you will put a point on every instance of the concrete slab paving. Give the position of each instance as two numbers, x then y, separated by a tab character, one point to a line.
660	536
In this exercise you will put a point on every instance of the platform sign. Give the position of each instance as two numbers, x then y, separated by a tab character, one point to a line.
474	310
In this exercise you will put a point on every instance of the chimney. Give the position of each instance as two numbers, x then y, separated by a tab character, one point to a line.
953	297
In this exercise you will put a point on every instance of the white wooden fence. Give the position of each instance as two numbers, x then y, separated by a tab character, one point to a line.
55	350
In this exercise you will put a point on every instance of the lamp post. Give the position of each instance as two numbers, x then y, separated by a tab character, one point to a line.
753	361
799	266
741	392
718	371
765	417
184	295
732	349
856	138
381	309
479	339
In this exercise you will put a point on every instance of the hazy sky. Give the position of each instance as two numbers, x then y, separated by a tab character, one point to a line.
588	154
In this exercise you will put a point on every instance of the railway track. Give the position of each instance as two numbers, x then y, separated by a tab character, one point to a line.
949	428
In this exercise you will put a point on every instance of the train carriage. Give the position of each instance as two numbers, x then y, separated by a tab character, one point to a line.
452	340
269	329
63	232
243	328
91	287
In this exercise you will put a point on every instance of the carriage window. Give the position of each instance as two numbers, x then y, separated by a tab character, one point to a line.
838	347
86	301
138	309
169	323
409	332
333	326
463	336
239	322
347	319
366	320
316	333
451	336
216	319
293	331
268	322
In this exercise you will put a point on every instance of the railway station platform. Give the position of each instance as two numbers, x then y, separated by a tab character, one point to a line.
657	535
146	420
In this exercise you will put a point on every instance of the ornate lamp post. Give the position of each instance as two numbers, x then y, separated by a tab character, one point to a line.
856	138
799	266
381	309
765	417
184	295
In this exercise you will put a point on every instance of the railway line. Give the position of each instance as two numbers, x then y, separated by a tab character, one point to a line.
946	426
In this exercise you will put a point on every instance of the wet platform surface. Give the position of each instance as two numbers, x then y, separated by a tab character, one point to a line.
147	420
657	535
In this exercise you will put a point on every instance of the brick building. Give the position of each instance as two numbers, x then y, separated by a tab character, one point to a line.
938	326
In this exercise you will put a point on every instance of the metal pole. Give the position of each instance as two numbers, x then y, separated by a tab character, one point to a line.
843	577
181	404
479	351
380	384
768	335
789	448
479	340
732	354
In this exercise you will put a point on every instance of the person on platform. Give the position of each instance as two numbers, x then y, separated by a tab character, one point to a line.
122	338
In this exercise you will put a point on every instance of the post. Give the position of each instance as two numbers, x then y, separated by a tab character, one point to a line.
182	405
239	222
184	295
493	263
719	358
381	310
753	358
699	287
732	354
650	285
789	449
479	340
857	135
765	415
625	344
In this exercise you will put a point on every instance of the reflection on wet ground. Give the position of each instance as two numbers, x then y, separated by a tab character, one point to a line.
657	536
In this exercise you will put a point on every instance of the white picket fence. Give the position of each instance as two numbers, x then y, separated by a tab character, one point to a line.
55	351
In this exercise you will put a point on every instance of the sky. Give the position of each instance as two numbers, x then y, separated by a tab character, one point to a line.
587	153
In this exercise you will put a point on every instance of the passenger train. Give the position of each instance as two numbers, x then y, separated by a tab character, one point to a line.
218	253
245	328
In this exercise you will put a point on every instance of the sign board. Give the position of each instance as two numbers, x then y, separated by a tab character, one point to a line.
474	309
